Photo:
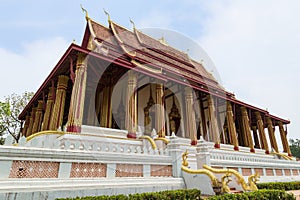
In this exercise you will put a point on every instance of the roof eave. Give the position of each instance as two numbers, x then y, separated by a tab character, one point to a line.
46	82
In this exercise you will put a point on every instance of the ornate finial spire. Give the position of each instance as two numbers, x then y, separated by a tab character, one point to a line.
107	14
163	40
86	12
132	22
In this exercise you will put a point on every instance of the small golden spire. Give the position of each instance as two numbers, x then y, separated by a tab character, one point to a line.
86	12
107	14
132	22
163	40
74	41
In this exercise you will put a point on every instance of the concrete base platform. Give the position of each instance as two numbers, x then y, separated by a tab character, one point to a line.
49	189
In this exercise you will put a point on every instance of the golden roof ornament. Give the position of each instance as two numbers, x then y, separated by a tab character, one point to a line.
163	40
132	22
107	14
86	12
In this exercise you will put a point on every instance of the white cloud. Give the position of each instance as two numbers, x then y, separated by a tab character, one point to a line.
25	71
255	46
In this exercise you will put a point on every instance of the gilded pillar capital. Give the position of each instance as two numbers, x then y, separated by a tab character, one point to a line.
244	111
229	107
40	106
257	115
62	82
81	59
51	93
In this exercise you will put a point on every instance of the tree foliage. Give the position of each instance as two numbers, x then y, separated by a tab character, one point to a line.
295	147
9	112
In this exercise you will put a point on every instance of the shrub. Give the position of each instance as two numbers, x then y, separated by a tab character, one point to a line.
190	194
280	185
257	195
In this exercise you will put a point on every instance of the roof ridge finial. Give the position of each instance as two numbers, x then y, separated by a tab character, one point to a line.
107	14
163	40
132	22
86	12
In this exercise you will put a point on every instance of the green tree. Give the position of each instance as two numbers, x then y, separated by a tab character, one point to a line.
295	147
9	112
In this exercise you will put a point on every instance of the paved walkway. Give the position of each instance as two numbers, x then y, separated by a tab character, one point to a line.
296	193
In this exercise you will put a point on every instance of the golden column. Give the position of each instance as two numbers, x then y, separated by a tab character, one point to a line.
106	110
31	122
213	124
49	108
131	108
285	144
38	117
26	124
231	127
262	134
78	94
190	115
272	134
246	128
59	105
160	111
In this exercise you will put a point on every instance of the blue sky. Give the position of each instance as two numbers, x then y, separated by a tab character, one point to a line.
255	45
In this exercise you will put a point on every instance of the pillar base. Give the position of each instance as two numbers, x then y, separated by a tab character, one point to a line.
236	148
131	135
74	129
267	152
194	142
252	150
217	146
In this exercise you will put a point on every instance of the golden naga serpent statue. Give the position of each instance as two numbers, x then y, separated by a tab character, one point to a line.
185	168
226	178
252	179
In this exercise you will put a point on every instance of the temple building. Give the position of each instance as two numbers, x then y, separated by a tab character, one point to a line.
122	79
126	113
